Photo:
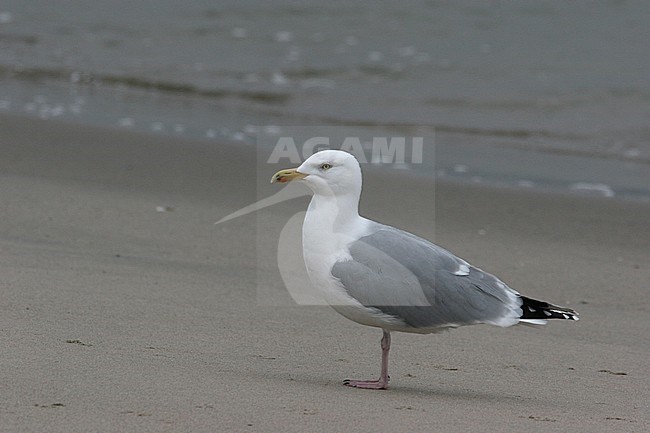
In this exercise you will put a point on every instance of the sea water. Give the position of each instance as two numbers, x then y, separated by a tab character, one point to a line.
528	94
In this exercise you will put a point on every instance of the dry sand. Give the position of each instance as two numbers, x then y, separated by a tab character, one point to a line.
117	317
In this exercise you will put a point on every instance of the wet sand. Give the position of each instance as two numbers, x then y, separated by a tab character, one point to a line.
123	308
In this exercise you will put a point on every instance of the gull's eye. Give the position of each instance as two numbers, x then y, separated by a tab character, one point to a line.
325	166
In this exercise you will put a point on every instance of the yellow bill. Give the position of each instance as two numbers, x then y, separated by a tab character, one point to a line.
287	175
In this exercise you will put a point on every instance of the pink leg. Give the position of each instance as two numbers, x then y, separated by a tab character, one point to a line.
382	382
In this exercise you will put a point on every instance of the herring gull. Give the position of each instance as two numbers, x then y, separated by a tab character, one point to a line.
380	276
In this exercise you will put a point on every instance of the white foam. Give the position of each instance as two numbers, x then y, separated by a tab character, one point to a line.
283	36
239	33
6	17
279	79
74	108
631	153
272	129
525	183
375	56
407	51
599	188
311	83
238	136
293	54
126	122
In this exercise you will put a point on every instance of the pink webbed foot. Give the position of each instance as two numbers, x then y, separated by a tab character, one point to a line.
382	382
367	384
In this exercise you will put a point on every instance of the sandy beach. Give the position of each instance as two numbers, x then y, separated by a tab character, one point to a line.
124	308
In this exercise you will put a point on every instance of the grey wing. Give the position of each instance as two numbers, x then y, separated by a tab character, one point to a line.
423	285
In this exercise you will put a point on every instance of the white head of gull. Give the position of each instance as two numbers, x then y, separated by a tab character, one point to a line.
384	277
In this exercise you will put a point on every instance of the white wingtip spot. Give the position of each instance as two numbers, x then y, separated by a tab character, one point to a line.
533	322
463	270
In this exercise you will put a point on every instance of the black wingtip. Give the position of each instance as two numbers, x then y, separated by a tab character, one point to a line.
534	309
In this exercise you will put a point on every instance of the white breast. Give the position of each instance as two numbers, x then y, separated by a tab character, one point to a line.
325	243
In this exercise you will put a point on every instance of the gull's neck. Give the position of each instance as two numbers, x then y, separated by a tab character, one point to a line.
331	224
333	213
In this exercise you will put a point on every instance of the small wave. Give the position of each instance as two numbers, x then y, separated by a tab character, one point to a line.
18	39
585	99
597	188
77	77
312	83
